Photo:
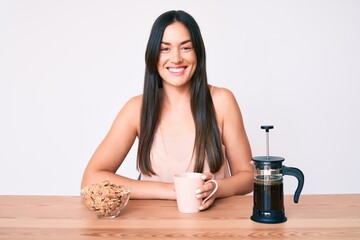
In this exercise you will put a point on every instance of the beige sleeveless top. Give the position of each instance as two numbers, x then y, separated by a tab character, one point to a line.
172	155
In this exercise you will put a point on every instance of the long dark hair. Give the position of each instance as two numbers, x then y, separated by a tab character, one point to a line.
207	137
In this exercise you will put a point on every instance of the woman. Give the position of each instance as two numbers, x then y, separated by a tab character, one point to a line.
182	123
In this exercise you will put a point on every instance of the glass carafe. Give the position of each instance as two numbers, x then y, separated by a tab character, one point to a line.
268	187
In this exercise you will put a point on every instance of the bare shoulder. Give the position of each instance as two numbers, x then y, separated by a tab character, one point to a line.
223	97
134	103
131	112
225	104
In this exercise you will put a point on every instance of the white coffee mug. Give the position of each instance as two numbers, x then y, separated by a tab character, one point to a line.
185	186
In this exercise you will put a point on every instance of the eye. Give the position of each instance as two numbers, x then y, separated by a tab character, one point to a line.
186	48
164	49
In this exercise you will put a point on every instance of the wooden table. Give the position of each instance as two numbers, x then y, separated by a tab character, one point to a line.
66	217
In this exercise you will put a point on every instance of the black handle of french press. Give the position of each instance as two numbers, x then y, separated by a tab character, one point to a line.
300	177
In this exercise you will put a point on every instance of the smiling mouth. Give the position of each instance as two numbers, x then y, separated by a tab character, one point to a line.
176	70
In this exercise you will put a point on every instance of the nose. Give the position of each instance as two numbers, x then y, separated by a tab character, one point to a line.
176	57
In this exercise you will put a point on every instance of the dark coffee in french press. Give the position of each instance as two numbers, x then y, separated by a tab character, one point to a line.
268	186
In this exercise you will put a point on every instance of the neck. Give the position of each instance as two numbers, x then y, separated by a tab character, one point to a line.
176	98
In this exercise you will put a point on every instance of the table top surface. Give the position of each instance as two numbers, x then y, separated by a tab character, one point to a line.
66	217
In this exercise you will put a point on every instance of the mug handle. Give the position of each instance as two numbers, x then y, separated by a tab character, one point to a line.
213	192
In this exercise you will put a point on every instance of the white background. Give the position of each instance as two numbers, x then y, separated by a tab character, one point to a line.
67	67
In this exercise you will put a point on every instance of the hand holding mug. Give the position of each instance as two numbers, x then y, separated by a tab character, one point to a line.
207	191
193	192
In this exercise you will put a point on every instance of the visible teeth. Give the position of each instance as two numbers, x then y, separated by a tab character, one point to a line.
176	70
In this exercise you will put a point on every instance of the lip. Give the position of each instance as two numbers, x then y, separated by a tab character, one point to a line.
176	70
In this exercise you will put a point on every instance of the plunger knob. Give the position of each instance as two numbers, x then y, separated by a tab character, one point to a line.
267	127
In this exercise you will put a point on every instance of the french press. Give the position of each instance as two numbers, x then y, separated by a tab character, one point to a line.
268	186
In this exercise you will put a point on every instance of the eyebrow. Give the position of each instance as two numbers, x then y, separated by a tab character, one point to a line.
183	42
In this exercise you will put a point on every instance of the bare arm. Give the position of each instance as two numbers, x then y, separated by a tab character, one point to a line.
112	151
236	143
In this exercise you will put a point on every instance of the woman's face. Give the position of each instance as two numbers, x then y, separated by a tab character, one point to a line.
177	59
